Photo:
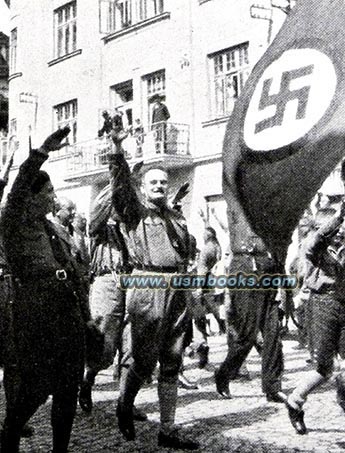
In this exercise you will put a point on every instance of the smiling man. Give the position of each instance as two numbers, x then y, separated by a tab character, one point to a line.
157	239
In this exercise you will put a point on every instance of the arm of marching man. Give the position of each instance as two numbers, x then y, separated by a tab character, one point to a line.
319	242
100	211
124	196
28	171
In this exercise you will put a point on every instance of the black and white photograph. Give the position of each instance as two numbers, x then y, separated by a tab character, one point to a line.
172	226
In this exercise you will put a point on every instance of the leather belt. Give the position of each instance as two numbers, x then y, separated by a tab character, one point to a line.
256	253
161	269
58	274
118	270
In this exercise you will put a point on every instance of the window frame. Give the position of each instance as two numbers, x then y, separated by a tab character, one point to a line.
68	29
149	93
229	70
124	14
71	121
125	105
13	50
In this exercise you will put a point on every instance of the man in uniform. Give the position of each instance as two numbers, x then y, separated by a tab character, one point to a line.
107	300
45	347
157	240
252	312
325	253
3	266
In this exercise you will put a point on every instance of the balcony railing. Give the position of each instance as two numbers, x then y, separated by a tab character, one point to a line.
163	141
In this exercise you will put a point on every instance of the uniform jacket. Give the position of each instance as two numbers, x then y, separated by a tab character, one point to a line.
35	249
160	114
327	270
210	254
154	236
108	248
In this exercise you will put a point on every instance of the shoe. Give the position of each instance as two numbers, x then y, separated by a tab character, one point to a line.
203	355
27	431
276	397
175	441
340	383
184	383
139	415
125	421
85	397
222	389
296	417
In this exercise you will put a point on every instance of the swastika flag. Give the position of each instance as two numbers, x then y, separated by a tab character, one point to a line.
287	130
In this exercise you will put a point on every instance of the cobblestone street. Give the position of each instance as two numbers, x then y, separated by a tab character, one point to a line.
246	423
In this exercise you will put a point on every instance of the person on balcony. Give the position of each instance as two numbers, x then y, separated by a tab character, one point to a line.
138	134
49	311
160	116
107	124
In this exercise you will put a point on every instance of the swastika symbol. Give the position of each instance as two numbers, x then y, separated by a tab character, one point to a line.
284	96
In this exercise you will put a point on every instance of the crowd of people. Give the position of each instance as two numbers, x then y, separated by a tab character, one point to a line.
65	317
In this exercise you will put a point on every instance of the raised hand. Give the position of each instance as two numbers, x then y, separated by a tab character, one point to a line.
53	141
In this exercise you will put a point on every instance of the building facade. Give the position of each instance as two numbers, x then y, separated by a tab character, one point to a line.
84	57
4	55
4	71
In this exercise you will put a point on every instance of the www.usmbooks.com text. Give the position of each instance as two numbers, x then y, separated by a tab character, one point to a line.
237	281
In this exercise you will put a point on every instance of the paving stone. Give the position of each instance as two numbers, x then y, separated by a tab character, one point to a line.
246	423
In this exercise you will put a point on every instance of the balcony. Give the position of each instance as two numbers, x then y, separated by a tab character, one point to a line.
166	144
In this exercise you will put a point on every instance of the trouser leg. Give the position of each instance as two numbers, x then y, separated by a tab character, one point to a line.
21	403
242	328
62	416
309	383
107	305
170	364
144	347
272	351
328	325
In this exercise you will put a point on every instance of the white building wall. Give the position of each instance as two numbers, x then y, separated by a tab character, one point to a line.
179	44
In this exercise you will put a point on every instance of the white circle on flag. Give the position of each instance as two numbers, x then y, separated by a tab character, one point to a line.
292	95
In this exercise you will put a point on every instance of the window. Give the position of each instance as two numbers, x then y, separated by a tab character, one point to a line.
116	15
13	51
125	11
65	29
4	51
13	128
155	84
66	115
13	143
122	98
230	70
